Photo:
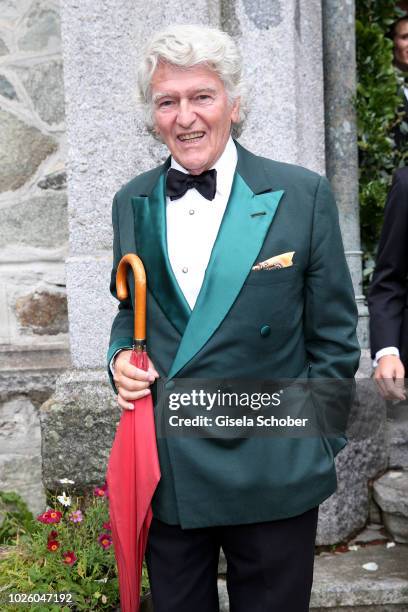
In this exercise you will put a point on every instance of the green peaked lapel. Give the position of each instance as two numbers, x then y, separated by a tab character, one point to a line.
238	243
151	245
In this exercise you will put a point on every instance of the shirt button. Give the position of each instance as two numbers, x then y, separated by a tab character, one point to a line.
185	270
265	331
191	211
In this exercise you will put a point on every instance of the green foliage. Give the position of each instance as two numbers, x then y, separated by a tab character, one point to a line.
15	518
30	566
383	13
378	103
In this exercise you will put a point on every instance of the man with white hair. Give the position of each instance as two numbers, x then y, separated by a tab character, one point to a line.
247	279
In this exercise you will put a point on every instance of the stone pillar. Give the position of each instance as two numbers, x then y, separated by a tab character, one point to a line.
281	44
341	138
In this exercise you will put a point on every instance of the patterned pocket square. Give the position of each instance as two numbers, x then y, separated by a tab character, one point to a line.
284	260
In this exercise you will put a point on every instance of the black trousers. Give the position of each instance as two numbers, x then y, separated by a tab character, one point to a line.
269	565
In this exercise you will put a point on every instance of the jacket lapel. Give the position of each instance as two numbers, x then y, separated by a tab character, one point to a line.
151	245
246	221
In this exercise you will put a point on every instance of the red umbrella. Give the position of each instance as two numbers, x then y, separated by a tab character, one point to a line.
133	469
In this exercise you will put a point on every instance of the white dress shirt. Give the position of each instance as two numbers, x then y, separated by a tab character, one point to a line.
193	223
192	227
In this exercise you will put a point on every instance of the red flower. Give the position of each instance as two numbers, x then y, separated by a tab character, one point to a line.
107	526
69	557
105	540
53	545
101	491
51	516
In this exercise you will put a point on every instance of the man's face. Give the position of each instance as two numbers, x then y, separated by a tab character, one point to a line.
401	43
192	114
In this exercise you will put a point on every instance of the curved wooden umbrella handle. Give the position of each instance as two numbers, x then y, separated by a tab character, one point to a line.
139	332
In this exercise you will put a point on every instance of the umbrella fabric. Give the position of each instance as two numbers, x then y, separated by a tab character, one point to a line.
132	476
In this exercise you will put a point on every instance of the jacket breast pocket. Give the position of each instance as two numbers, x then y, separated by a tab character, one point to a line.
273	277
269	301
272	299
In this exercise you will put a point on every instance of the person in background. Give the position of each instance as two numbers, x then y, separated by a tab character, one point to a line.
399	35
387	300
388	295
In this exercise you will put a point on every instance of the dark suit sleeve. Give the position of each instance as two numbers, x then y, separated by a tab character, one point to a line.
388	292
122	328
330	315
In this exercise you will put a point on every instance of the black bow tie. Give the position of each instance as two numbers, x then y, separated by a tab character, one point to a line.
178	183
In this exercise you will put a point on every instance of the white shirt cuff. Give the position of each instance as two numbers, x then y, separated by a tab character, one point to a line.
388	350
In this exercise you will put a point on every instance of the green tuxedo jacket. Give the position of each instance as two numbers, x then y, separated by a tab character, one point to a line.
309	308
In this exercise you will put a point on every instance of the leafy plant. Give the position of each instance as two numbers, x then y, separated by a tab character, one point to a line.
378	104
67	549
15	517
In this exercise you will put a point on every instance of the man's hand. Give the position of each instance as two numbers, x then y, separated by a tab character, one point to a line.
389	376
131	382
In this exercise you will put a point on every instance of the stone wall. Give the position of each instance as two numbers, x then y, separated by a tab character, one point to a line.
33	235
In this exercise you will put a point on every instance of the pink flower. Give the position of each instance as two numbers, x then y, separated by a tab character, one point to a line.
52	535
101	491
105	540
69	557
76	516
107	526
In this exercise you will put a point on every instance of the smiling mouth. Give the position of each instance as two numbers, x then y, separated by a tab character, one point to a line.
192	137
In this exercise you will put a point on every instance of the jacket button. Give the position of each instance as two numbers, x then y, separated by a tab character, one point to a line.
265	331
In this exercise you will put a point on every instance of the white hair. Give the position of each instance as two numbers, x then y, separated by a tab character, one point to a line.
186	46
